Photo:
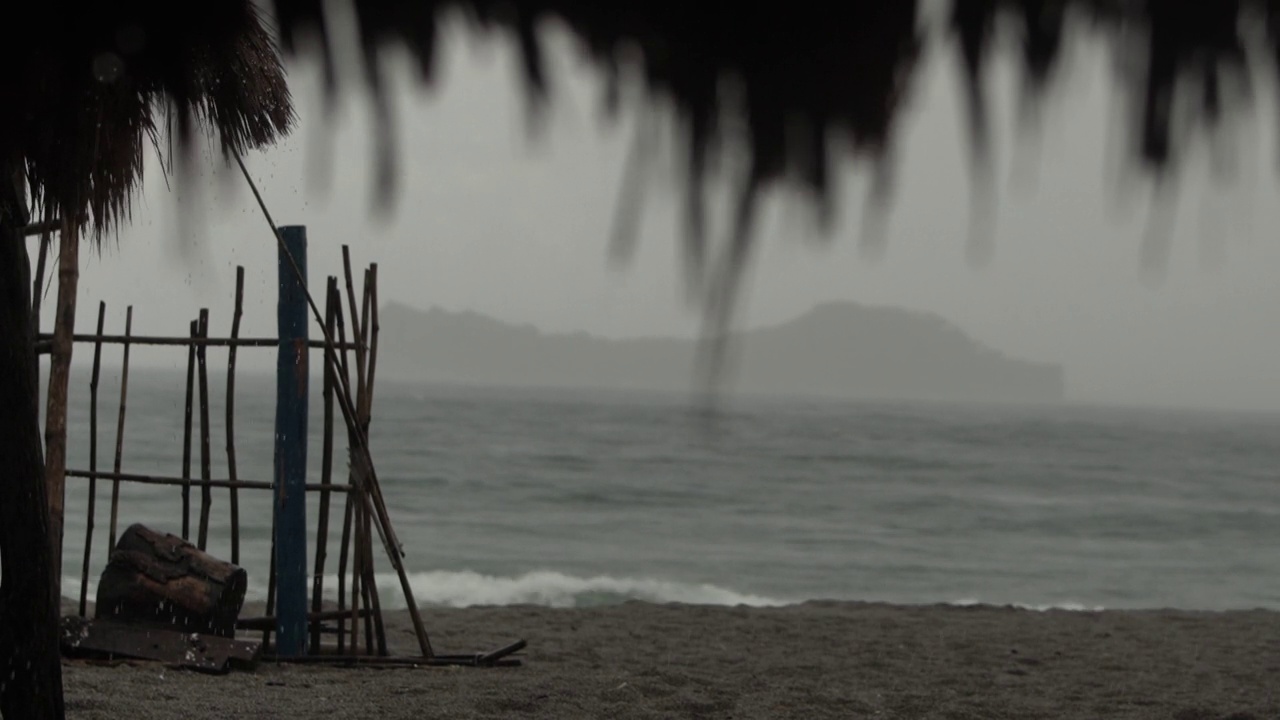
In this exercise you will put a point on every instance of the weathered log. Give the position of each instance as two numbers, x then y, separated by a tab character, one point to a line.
160	580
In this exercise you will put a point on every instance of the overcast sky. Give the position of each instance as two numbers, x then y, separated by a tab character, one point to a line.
492	221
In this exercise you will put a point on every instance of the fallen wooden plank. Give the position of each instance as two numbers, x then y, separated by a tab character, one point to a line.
105	639
392	661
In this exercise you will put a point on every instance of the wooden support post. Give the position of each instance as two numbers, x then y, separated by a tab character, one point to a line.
291	445
119	460
93	463
231	406
206	470
55	433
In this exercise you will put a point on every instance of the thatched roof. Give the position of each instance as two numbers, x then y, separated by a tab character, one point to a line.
810	71
801	80
806	73
90	85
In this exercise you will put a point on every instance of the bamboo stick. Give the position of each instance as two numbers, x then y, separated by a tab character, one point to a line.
357	569
372	601
231	414
191	482
37	290
341	372
41	228
160	340
371	282
186	432
342	568
206	471
93	464
357	328
396	662
367	590
370	327
55	433
269	621
119	458
326	474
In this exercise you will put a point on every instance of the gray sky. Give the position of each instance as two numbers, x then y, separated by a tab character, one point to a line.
491	221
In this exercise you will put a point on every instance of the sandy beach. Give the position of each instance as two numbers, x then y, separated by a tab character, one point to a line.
816	660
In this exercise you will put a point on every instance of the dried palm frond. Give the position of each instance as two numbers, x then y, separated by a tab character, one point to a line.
89	85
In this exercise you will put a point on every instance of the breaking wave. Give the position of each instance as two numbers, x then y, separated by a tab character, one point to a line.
551	589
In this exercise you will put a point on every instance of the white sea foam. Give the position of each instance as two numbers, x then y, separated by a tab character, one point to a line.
1067	605
544	587
556	589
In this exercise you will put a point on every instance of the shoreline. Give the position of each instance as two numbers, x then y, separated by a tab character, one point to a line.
818	659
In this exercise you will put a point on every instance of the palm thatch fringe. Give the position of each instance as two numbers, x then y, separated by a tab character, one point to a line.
90	85
805	78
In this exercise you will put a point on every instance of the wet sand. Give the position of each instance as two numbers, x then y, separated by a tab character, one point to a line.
816	660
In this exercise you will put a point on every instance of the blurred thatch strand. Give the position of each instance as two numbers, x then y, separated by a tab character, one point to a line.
810	69
809	72
89	84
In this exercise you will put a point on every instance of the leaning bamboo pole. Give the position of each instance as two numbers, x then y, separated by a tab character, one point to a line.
92	500
55	434
326	474
206	471
119	459
186	431
231	408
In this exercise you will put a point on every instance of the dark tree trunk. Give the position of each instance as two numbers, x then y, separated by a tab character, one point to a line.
30	660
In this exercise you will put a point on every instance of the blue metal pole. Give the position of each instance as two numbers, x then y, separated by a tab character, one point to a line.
290	475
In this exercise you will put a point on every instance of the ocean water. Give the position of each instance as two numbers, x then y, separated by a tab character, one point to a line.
503	497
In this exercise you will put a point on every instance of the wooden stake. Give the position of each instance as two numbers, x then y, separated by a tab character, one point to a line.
357	568
370	328
206	472
326	475
119	459
342	567
55	434
371	595
186	432
93	463
231	414
350	502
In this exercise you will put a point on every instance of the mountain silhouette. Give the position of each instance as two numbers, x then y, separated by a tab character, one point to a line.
836	350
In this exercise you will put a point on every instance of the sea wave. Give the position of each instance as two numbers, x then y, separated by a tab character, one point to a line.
465	588
549	588
1067	605
555	589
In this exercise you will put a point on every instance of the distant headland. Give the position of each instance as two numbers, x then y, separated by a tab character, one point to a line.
836	350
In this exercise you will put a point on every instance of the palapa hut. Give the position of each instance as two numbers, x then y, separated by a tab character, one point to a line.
90	87
87	86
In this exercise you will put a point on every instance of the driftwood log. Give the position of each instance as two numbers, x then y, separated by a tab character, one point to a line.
160	580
